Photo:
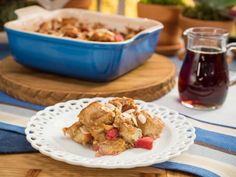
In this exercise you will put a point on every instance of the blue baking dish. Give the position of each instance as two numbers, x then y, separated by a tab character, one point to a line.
96	61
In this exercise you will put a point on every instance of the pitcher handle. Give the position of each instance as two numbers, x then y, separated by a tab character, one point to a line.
232	79
231	46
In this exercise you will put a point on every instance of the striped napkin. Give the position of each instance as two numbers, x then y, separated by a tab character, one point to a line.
213	153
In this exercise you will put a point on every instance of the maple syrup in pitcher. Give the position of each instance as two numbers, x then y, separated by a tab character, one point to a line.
204	78
203	81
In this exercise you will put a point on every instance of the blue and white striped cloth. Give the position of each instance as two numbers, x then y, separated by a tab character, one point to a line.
213	153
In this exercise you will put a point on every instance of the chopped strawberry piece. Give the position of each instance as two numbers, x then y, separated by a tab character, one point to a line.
112	134
145	142
119	37
95	147
84	29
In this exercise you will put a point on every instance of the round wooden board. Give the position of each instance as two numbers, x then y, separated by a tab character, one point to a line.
153	79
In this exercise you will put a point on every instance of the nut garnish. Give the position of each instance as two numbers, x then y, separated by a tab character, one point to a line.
126	115
113	114
110	106
138	134
104	108
130	111
135	121
150	114
84	130
142	118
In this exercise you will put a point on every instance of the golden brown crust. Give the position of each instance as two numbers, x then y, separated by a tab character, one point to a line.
124	103
94	115
73	28
130	133
152	127
78	134
113	127
111	147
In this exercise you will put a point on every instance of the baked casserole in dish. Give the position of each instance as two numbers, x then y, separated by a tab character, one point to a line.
88	57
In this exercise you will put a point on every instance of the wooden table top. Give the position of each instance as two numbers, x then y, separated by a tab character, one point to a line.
38	165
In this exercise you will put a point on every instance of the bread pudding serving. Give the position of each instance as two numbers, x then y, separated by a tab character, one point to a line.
114	127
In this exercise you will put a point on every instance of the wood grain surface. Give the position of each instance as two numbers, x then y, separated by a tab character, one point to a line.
38	165
153	79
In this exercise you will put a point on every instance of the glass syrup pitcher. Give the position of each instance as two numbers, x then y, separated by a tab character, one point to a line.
204	76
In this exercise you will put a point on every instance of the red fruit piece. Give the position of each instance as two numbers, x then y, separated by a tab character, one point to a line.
145	142
112	134
119	38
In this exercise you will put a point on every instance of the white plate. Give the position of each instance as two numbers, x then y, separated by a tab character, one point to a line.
44	132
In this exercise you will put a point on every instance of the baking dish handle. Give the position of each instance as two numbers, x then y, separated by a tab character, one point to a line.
30	11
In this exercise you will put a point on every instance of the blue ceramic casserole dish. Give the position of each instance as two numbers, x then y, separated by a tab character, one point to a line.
97	61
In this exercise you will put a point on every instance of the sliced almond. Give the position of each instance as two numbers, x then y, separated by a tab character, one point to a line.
130	111
113	114
134	120
110	106
125	115
150	114
138	134
84	130
104	108
115	125
142	118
